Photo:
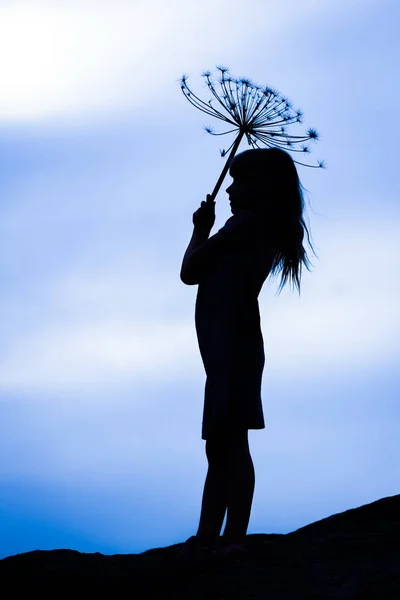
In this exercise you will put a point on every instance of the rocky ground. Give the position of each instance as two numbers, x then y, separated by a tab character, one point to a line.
352	555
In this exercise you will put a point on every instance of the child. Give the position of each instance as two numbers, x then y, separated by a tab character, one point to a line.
264	236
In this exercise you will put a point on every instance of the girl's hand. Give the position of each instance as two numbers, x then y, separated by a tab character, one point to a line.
204	216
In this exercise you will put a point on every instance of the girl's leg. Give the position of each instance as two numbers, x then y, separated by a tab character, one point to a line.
215	494
229	486
240	489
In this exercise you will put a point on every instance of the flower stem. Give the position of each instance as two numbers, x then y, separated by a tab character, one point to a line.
227	164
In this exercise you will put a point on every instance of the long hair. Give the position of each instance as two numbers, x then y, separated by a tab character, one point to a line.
276	193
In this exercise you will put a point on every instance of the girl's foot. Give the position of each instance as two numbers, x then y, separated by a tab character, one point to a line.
195	545
230	547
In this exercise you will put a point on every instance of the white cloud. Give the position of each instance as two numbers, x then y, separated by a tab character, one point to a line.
67	58
68	356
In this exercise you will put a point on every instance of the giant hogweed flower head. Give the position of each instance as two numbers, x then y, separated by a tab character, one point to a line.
258	113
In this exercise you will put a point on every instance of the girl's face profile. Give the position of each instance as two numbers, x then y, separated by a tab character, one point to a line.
239	195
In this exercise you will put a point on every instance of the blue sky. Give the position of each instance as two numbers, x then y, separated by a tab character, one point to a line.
102	164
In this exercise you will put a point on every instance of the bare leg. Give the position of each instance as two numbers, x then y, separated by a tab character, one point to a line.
241	489
229	486
215	494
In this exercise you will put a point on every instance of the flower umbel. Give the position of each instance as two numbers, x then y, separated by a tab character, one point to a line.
259	113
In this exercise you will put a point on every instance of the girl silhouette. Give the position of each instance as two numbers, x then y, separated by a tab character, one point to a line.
263	237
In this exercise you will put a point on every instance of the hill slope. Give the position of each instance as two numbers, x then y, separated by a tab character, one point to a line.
352	555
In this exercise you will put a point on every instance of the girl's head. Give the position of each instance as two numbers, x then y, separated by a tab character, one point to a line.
266	181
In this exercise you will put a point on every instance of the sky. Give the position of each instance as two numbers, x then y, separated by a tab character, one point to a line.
102	164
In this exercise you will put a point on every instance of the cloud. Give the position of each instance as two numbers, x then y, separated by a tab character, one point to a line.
84	58
64	356
68	57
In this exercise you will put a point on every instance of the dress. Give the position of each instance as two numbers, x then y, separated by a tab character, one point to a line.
228	327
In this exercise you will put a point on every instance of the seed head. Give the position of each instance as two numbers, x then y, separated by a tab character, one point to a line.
261	114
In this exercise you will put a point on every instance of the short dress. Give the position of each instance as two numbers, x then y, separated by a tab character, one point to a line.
228	327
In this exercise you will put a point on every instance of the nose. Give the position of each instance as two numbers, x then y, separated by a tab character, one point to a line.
227	189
